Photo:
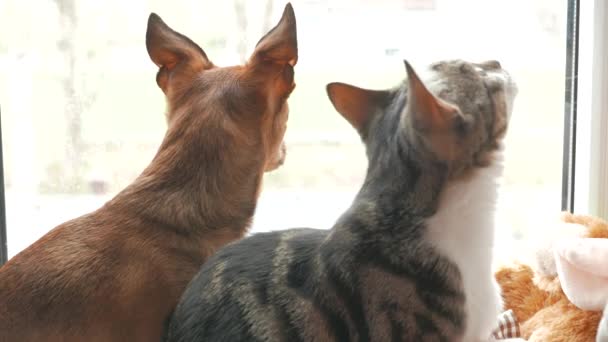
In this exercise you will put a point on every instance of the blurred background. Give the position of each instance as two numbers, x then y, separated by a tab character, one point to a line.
82	114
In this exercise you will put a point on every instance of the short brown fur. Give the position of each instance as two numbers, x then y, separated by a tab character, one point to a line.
116	274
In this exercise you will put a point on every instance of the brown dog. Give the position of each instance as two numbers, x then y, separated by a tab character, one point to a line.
116	274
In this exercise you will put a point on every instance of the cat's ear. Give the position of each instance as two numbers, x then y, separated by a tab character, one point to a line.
356	105
426	112
439	123
177	57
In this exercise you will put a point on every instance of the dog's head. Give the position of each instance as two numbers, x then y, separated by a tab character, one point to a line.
250	100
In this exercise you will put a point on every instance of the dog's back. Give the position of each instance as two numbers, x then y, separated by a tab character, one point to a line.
116	274
87	277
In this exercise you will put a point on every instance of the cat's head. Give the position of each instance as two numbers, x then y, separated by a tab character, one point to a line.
456	115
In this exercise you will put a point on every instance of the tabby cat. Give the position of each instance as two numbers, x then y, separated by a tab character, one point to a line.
410	260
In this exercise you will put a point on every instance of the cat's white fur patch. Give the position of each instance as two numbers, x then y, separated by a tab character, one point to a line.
463	231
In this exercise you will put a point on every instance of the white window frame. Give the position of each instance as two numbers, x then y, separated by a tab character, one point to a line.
591	151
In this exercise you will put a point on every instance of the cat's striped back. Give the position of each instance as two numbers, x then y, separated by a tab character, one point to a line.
409	260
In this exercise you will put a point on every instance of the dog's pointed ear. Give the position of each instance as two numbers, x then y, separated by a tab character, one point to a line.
280	45
426	112
356	105
173	52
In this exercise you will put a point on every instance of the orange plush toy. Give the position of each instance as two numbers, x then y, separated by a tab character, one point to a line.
563	297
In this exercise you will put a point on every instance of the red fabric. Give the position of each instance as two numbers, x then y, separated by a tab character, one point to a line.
508	327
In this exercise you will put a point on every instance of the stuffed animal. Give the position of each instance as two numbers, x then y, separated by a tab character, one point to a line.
562	298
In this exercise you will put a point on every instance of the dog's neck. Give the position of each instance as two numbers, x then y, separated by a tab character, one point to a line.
197	182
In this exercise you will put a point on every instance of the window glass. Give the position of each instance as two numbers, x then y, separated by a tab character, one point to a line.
82	114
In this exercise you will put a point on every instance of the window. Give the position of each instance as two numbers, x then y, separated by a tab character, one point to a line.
591	149
82	114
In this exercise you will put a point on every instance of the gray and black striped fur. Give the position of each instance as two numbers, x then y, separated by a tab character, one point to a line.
375	275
